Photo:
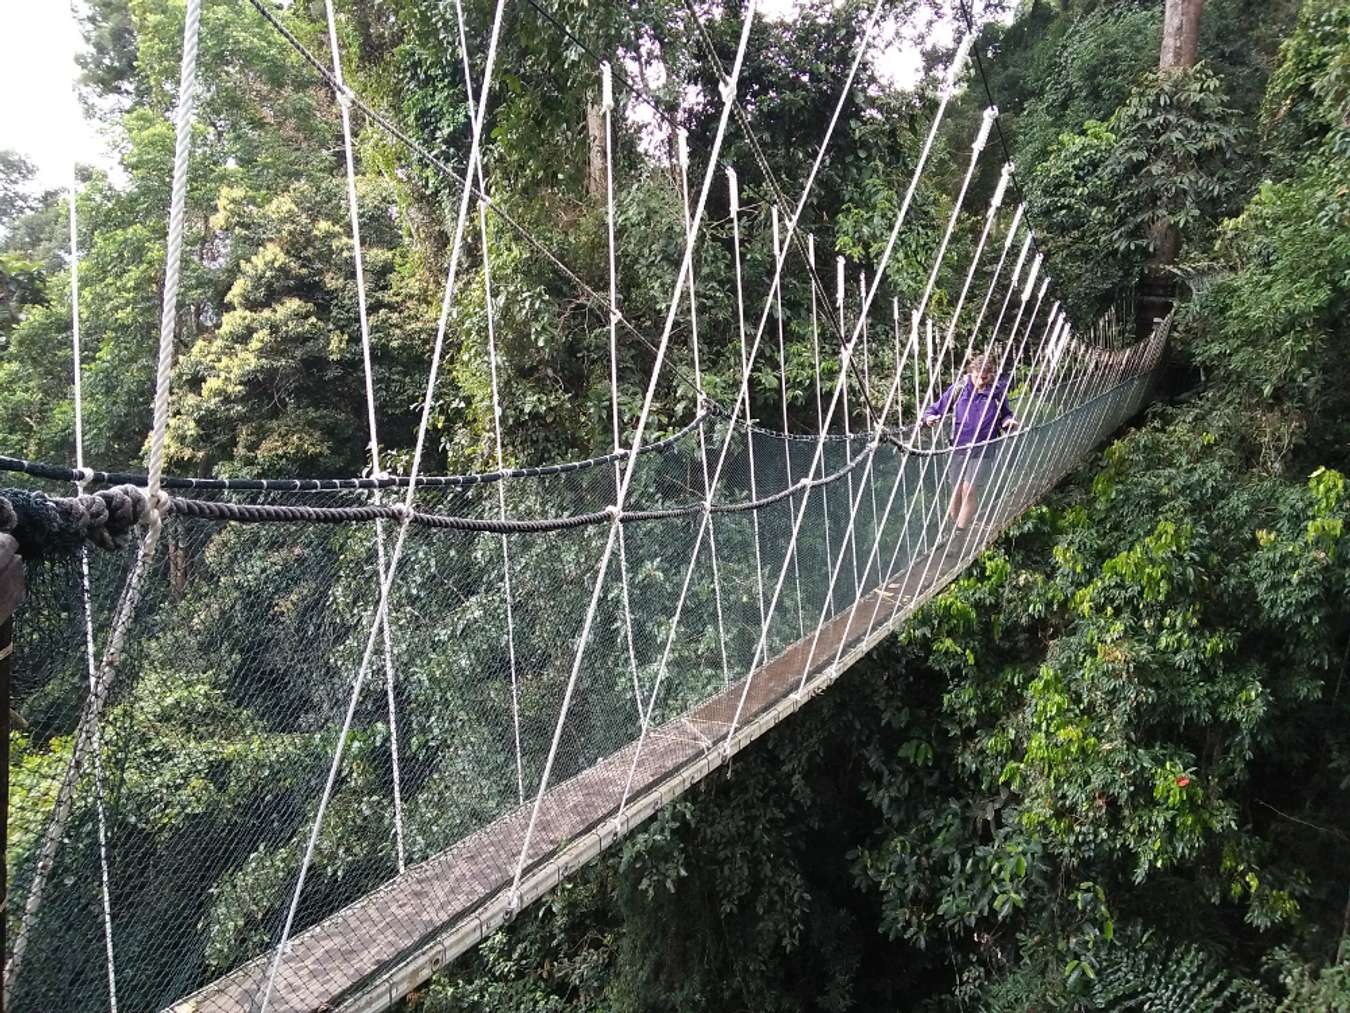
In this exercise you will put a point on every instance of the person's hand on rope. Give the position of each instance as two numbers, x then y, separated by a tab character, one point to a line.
11	577
929	421
1009	424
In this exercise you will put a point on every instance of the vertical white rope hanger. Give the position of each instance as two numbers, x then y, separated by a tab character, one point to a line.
728	92
783	398
820	416
840	290
682	149
354	215
735	204
898	486
124	614
607	106
993	498
86	598
1024	293
742	396
382	609
921	307
953	72
490	312
927	510
873	423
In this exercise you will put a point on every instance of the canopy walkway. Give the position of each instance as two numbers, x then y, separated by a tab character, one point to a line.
446	693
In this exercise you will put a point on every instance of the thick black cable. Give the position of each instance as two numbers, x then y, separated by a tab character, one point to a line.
60	473
394	131
290	513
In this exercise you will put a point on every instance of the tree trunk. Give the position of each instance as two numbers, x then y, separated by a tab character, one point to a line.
1180	38
595	130
1181	32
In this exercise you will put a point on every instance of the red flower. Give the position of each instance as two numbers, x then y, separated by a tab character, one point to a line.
1182	781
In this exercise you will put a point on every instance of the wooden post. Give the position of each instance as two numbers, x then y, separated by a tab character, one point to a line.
11	594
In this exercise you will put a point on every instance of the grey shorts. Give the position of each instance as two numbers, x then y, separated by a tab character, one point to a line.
970	464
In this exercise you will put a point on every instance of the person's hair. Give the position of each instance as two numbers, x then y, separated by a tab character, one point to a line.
978	363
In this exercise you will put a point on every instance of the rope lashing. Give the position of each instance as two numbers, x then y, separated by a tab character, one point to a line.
47	526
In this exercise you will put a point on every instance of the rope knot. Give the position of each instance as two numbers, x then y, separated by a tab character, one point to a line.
612	511
345	97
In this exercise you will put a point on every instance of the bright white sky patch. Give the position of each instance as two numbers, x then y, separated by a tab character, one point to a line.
38	117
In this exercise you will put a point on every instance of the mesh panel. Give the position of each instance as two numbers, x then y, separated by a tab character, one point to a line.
223	715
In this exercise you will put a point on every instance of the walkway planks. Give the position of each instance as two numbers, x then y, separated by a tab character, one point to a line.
375	950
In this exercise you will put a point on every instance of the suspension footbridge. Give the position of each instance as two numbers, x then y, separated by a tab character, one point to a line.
448	692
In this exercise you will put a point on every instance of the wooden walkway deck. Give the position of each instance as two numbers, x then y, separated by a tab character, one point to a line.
371	953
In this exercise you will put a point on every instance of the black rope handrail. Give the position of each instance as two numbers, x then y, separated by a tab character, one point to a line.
62	473
106	517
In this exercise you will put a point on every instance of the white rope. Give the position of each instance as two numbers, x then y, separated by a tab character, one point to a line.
872	423
887	575
927	511
728	98
997	495
1025	292
849	540
489	308
820	416
956	68
735	201
783	398
382	609
683	147
86	599
354	215
743	394
607	104
86	731
976	149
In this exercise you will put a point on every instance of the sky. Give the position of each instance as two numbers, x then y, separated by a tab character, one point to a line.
38	117
37	67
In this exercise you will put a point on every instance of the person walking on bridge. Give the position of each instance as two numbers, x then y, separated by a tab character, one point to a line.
978	402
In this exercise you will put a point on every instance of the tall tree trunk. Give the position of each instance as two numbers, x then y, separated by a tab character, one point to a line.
1180	39
1181	32
595	130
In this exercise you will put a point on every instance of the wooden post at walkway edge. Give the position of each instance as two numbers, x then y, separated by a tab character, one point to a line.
11	594
1180	43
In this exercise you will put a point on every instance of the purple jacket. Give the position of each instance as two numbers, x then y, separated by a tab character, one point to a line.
978	414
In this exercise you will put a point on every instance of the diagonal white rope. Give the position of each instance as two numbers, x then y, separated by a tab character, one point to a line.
86	599
382	608
956	68
1025	291
616	511
742	396
87	729
783	400
683	148
344	101
886	575
490	311
891	395
735	203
